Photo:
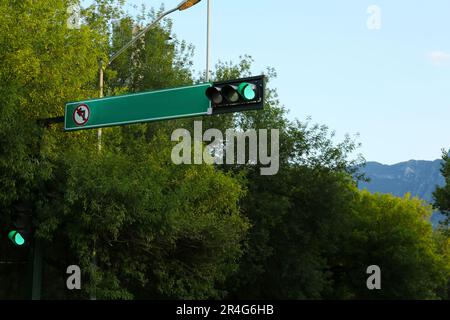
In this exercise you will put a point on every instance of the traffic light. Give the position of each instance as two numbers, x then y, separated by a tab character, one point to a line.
236	95
16	237
20	233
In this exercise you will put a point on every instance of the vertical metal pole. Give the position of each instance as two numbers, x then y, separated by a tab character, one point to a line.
208	47
36	269
94	263
99	144
208	41
100	94
35	254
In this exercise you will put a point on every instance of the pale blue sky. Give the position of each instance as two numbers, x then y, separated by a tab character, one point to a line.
390	85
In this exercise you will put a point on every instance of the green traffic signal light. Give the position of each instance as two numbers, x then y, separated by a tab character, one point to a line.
247	91
16	238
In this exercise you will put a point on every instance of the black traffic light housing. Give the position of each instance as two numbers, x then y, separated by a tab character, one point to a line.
238	95
20	233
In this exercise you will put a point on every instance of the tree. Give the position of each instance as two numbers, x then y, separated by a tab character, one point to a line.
137	225
296	214
140	226
314	234
44	64
442	194
158	230
442	203
394	234
442	241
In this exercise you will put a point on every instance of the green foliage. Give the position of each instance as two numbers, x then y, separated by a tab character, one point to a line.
141	227
442	194
297	216
38	75
137	225
393	233
313	234
442	241
163	230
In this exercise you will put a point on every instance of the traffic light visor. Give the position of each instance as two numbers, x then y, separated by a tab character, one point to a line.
214	95
230	93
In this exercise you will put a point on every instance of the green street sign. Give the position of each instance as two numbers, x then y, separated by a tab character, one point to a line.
138	107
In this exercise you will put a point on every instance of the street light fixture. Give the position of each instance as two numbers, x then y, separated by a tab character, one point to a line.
187	4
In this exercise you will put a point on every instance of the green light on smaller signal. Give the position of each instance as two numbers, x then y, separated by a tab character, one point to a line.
16	238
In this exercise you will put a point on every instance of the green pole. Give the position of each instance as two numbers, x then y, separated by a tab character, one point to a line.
36	269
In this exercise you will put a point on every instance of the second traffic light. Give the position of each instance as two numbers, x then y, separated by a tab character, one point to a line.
16	237
21	232
236	95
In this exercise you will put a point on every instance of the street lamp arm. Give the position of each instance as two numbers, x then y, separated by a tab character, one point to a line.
140	34
185	4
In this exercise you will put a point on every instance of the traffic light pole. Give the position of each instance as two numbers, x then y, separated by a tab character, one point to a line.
208	41
36	269
36	247
99	145
100	95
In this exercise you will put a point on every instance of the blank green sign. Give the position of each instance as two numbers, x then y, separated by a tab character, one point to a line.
135	108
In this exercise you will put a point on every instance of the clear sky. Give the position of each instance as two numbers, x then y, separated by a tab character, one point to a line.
391	85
